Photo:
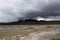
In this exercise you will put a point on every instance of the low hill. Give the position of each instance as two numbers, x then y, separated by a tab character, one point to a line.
31	22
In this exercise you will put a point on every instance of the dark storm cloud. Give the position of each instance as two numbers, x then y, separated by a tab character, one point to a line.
50	11
14	10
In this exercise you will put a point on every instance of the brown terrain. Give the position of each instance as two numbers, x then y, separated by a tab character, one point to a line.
30	32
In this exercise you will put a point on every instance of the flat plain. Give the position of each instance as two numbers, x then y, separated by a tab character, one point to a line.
14	32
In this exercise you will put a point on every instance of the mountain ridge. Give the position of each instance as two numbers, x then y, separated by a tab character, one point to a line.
30	21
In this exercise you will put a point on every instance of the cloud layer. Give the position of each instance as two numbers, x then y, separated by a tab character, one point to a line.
14	10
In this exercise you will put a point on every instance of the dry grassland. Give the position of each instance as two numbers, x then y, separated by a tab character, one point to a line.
14	32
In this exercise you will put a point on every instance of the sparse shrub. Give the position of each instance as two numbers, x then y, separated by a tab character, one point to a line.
48	26
56	39
30	27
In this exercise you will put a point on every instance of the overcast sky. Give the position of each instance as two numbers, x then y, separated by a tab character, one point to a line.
14	10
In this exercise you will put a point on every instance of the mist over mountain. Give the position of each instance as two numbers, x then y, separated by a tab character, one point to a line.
15	10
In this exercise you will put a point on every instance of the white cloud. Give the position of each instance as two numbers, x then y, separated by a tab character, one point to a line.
11	10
